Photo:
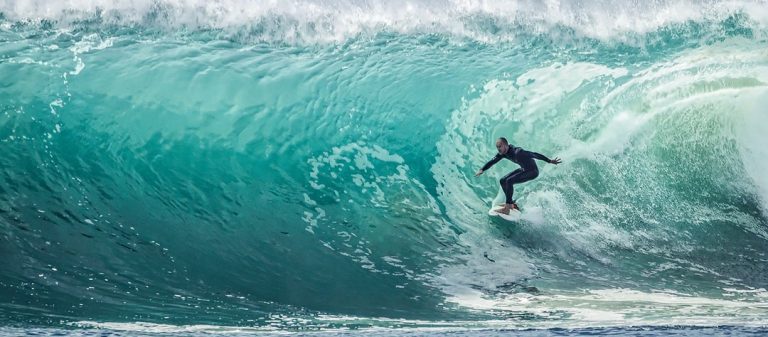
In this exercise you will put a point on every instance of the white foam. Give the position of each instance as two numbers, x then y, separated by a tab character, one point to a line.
622	307
146	327
319	20
753	137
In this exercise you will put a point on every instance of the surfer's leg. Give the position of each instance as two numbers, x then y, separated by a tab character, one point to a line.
507	187
516	177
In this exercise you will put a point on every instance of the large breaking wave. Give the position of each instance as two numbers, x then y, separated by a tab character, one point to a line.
310	164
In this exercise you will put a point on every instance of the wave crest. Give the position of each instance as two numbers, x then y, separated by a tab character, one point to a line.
323	21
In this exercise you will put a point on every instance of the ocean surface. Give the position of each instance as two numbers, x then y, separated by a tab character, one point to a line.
233	167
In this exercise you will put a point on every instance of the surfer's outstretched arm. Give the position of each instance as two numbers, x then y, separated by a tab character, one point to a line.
489	164
540	156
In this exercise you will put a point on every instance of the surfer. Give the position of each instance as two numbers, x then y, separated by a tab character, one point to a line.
527	171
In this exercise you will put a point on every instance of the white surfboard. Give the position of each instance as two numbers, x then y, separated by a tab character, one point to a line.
514	215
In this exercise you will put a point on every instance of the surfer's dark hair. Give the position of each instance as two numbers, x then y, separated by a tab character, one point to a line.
503	140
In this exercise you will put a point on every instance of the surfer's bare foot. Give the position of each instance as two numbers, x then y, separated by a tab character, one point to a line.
503	210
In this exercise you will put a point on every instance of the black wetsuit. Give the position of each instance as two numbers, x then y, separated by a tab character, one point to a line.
527	171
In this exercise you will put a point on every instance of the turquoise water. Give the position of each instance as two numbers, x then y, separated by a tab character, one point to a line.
211	167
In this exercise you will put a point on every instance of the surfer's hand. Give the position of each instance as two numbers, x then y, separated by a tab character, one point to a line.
555	161
478	173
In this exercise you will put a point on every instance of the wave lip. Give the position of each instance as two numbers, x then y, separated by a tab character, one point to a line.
325	21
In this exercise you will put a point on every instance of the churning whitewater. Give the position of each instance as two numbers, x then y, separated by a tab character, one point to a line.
214	166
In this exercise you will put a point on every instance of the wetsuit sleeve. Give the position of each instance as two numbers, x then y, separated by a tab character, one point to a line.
491	162
540	156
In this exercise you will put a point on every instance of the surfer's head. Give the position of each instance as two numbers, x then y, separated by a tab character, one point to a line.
502	145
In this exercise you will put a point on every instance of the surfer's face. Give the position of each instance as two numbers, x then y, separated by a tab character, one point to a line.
501	147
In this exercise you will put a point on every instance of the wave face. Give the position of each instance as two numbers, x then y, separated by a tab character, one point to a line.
198	165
